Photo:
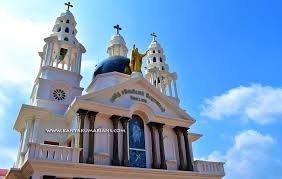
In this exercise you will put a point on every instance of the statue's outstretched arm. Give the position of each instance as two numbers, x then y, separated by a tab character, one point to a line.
143	55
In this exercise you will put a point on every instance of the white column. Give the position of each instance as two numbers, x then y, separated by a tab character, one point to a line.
161	84
169	88
164	90
35	129
46	53
50	53
26	137
41	63
79	62
76	64
156	79
155	76
175	89
19	150
113	50
58	56
119	50
152	79
69	59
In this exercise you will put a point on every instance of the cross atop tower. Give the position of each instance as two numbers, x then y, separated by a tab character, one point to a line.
154	36
118	28
68	4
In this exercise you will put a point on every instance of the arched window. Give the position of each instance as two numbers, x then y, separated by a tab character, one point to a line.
154	59
163	68
136	136
159	51
66	39
153	51
68	21
161	60
67	30
59	29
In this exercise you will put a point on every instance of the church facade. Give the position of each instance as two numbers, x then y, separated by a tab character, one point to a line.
126	125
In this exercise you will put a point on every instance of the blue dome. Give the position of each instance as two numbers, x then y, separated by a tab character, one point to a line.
115	63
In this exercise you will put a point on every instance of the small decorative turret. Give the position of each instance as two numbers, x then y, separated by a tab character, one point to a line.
117	45
157	70
62	49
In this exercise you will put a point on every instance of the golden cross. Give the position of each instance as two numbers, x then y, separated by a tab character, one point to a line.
69	5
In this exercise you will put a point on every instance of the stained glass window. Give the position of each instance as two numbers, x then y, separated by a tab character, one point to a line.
137	152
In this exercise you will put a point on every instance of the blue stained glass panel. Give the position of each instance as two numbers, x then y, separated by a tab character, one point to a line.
136	133
137	158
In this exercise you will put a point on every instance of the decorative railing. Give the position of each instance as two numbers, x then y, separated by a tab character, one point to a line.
53	153
209	167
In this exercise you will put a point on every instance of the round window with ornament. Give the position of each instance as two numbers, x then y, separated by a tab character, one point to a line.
59	94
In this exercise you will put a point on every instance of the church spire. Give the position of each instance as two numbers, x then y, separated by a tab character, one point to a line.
117	45
157	70
60	66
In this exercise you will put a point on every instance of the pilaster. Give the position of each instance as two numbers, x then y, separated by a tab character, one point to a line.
115	161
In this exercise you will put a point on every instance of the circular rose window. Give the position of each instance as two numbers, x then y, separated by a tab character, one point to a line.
59	94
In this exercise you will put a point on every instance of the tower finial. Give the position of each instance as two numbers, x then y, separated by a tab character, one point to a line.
118	28
68	4
154	36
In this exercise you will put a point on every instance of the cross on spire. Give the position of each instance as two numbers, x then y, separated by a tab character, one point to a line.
118	28
68	4
154	36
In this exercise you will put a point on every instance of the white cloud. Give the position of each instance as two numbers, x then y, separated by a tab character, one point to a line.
249	157
21	39
4	100
8	157
258	103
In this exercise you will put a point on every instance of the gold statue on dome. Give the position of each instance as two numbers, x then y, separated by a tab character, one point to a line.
136	60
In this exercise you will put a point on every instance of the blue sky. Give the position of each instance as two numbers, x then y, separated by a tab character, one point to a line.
227	55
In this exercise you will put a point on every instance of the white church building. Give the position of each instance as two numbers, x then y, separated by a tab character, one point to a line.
125	125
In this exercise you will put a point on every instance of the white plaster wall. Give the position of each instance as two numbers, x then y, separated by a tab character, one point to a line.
56	107
169	145
52	73
45	99
148	146
103	141
51	124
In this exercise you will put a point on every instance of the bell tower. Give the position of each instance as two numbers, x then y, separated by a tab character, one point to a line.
157	70
58	80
